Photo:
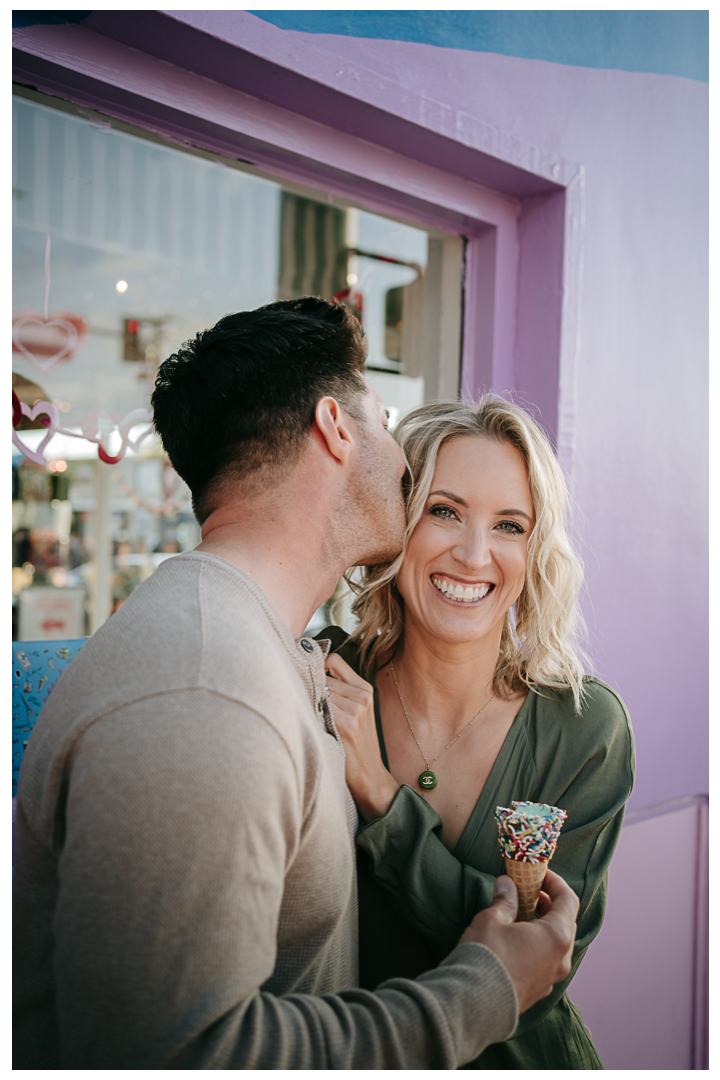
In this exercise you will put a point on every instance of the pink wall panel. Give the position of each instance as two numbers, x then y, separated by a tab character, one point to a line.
638	987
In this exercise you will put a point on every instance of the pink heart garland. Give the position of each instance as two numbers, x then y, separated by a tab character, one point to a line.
48	342
41	408
90	430
17	411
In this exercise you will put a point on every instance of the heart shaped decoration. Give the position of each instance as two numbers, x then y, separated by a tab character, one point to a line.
41	408
48	342
17	411
98	427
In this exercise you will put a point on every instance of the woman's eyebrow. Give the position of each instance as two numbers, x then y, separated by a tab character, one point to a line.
517	513
459	499
448	495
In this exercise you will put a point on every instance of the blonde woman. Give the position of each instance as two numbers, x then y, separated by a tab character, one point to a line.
462	689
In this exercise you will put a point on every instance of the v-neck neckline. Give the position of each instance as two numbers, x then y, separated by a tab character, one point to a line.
480	810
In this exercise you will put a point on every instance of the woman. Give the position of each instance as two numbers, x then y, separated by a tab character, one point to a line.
461	690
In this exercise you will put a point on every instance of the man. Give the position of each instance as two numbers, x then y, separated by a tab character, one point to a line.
185	891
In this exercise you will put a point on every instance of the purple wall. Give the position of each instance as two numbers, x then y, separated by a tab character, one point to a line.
640	447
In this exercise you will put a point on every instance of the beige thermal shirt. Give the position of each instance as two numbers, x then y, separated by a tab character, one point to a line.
184	891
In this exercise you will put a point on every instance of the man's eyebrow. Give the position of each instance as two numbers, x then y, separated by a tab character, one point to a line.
461	501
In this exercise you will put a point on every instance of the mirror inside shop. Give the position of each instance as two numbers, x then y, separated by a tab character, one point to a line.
124	247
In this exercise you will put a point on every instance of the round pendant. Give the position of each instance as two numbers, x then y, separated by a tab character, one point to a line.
427	780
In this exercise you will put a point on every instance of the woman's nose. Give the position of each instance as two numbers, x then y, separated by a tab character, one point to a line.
473	549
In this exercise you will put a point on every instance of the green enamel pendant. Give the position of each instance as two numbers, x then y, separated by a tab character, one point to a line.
427	780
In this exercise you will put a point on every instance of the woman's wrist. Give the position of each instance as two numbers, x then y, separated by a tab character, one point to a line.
377	800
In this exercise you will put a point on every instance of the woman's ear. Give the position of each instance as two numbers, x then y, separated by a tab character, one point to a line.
333	429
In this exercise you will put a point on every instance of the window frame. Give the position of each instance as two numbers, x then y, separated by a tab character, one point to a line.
523	235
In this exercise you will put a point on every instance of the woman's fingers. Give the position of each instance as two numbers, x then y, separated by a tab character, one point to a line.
351	699
337	667
349	692
352	709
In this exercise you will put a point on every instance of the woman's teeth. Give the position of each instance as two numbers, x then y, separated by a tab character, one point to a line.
467	594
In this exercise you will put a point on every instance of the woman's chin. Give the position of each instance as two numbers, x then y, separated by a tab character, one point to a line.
454	627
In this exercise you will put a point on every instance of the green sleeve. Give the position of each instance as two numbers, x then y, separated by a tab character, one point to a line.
435	892
584	764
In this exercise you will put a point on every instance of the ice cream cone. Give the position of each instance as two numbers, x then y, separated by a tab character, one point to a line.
528	878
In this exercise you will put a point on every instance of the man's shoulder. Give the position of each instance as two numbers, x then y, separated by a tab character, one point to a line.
197	622
191	644
194	625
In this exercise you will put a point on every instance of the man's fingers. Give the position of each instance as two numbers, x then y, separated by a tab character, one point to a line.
543	905
505	900
561	918
565	903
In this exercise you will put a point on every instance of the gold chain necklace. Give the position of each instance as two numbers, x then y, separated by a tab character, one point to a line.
428	780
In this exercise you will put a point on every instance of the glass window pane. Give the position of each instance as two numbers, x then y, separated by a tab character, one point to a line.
123	248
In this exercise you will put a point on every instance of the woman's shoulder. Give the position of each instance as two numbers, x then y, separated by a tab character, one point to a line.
602	719
598	700
596	742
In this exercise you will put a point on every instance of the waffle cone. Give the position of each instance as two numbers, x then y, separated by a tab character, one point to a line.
528	878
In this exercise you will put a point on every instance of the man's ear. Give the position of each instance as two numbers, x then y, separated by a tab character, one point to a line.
333	430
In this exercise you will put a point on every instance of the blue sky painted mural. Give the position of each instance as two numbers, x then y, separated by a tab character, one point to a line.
661	42
658	42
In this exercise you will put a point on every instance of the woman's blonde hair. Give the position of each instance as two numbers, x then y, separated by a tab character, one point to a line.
538	642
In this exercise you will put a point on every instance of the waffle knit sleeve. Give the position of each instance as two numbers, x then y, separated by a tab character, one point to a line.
176	843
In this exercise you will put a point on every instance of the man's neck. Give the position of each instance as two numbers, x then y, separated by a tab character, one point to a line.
284	552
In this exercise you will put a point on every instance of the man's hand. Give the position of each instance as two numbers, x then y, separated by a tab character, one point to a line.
536	954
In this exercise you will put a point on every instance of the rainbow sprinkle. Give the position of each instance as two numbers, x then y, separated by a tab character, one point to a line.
529	832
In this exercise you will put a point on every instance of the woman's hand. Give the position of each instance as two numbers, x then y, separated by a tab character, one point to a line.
371	785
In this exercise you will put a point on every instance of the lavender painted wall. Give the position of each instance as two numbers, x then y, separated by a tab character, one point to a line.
640	458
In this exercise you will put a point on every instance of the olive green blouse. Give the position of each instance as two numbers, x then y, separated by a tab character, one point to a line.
416	897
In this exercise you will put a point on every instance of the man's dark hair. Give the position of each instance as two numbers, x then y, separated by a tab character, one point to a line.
240	397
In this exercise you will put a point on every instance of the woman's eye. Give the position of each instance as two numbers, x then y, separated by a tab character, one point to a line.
511	527
445	513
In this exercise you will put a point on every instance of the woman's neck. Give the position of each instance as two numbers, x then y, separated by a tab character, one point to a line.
445	680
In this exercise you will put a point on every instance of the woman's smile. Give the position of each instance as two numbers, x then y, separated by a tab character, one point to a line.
461	592
466	560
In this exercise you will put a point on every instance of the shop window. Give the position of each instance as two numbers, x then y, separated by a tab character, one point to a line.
124	246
